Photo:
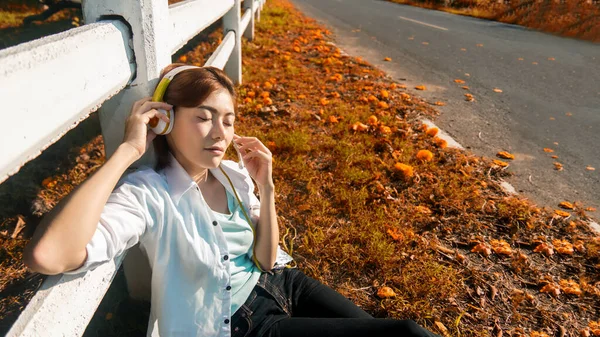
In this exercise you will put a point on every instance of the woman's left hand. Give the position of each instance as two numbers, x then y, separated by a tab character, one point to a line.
257	159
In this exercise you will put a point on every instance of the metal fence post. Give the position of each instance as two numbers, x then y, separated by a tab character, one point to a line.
231	21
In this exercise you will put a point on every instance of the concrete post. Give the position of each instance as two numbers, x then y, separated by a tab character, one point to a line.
231	21
149	23
249	5
259	4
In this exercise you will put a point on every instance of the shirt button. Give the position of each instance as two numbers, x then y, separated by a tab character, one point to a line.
215	223
226	257
197	188
237	328
226	321
228	288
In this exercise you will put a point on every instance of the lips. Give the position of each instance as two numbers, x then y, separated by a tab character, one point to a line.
214	149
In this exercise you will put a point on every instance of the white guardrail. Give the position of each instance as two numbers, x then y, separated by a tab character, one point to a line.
51	84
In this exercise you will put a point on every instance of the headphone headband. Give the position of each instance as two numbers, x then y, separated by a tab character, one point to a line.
161	88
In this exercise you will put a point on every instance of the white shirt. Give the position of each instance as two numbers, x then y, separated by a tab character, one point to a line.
166	213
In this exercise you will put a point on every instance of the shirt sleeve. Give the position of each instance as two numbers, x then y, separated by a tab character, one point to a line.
123	221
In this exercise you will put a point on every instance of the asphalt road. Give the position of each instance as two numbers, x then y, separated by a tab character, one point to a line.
550	87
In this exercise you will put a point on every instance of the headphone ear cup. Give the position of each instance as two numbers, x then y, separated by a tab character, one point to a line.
164	128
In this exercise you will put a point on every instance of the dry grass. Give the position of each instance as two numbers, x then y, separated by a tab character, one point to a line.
354	219
573	18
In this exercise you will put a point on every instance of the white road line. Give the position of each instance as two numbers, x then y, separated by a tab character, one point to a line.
423	23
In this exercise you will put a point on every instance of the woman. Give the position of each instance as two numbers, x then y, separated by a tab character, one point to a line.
212	245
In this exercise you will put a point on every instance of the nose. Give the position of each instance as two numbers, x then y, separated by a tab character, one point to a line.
218	129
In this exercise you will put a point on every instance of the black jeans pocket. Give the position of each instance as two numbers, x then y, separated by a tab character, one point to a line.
241	324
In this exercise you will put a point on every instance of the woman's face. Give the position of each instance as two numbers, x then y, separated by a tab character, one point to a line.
201	134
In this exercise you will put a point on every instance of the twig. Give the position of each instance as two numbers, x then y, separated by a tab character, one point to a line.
18	228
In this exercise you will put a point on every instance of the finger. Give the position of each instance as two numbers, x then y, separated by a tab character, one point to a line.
247	141
146	106
148	115
256	154
141	101
255	146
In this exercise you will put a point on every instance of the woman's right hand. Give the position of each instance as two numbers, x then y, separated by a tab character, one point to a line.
137	133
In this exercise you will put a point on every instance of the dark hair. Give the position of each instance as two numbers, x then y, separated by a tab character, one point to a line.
189	89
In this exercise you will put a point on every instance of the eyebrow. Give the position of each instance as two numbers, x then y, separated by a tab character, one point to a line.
213	110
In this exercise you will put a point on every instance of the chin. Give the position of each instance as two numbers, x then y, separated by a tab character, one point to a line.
211	163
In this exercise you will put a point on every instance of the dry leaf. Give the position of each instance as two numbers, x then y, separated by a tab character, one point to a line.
551	288
420	87
500	163
358	126
566	205
562	213
459	81
396	236
479	45
441	327
372	120
545	249
570	287
438	103
384	93
424	210
558	166
482	248
424	155
387	59
385	292
385	129
505	155
333	119
382	105
407	170
425	43
501	247
548	150
563	246
595	327
441	143
432	131
497	90
465	87
539	334
589	168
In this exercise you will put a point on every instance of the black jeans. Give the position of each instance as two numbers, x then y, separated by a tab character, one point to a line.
288	303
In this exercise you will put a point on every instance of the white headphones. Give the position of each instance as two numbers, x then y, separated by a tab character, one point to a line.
157	125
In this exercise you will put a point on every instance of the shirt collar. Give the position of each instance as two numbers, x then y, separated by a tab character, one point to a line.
180	182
